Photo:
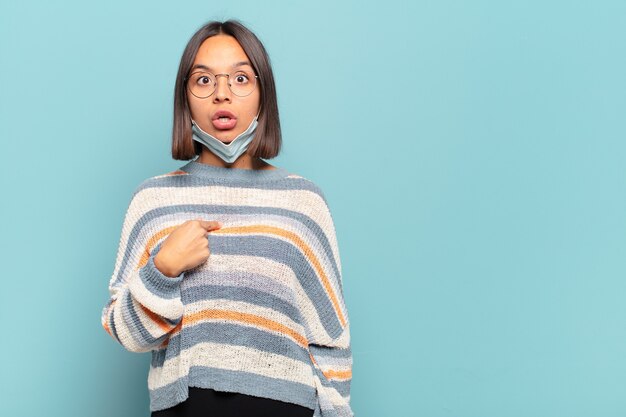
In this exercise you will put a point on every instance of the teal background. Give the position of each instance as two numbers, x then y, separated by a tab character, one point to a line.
472	154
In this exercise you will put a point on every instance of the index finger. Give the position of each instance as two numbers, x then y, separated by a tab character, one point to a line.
210	224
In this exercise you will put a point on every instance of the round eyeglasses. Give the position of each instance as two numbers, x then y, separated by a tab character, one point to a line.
202	84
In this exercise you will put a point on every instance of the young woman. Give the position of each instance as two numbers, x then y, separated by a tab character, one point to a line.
228	268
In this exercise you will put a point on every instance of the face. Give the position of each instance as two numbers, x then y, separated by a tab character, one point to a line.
220	53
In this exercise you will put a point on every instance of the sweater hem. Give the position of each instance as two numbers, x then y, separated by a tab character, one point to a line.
221	380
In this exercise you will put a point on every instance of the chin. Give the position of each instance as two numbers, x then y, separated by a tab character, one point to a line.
229	139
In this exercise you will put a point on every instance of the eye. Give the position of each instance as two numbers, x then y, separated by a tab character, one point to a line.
242	78
203	79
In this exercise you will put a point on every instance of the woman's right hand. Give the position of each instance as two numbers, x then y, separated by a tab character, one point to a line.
185	247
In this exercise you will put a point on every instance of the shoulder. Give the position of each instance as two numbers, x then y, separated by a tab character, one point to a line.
157	190
306	184
312	199
163	180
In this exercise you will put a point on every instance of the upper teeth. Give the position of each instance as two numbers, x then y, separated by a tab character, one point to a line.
224	118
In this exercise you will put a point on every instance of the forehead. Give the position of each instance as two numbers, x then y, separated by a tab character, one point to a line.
220	52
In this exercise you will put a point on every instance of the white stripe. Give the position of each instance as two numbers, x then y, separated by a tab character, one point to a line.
170	308
233	358
122	329
246	308
301	201
329	394
280	273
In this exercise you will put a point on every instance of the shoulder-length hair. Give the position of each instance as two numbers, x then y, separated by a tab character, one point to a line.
267	139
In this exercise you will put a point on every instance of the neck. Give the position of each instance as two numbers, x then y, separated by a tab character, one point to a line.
245	161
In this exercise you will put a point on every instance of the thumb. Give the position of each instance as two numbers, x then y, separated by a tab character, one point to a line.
210	225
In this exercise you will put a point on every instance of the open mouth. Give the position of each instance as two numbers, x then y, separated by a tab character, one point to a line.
224	119
224	123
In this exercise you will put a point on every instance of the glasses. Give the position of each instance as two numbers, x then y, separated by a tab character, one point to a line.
202	84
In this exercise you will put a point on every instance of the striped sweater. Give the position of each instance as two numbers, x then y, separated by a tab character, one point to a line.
263	316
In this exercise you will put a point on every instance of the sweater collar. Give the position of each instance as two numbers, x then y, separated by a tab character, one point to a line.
236	174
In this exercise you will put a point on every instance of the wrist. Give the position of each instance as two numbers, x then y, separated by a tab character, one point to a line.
164	268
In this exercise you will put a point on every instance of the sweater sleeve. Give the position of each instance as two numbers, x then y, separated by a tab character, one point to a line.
144	306
328	329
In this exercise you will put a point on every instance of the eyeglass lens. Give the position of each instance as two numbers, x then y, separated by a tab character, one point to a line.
202	83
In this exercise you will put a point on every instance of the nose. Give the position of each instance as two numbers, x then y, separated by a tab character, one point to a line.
222	90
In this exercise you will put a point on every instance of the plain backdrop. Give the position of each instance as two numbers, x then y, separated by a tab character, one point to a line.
472	153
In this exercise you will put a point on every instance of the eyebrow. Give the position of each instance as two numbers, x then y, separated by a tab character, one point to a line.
204	67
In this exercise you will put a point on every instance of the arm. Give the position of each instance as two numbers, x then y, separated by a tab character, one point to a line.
144	306
328	327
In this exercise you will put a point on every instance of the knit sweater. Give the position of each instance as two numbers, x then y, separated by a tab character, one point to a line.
264	315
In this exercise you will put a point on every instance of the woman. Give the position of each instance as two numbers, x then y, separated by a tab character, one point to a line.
228	268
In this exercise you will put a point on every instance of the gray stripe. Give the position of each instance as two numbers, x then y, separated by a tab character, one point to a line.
342	387
212	172
271	248
334	363
137	329
225	210
332	352
169	395
191	279
158	284
170	351
337	411
286	253
241	335
195	181
112	323
248	295
159	355
246	279
306	234
225	333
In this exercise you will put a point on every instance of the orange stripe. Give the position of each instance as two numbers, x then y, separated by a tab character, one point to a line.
106	321
163	325
155	318
245	318
151	243
177	172
302	245
260	321
106	327
331	373
166	327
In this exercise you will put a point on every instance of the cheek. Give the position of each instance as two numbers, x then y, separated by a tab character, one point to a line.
257	102
195	108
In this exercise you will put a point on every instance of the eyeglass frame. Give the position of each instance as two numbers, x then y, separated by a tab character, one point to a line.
186	79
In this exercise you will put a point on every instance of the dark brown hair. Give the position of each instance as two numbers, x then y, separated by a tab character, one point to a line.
267	139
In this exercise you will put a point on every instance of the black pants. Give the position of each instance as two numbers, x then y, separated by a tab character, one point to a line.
210	403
